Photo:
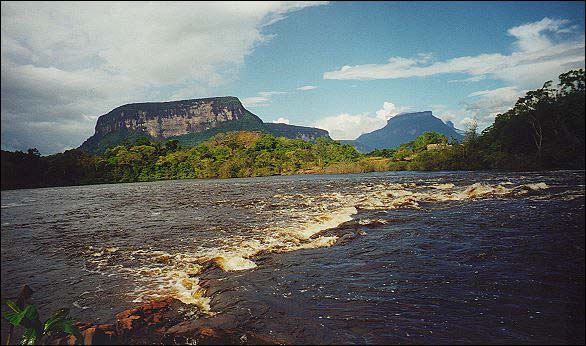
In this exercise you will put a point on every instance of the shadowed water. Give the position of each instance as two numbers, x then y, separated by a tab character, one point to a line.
369	258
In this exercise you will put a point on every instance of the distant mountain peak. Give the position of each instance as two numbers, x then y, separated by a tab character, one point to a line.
451	124
412	115
404	128
421	113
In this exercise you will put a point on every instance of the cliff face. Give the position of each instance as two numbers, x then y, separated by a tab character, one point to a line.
189	121
293	131
167	119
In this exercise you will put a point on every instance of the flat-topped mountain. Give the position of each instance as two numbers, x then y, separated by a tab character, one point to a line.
404	128
167	119
188	121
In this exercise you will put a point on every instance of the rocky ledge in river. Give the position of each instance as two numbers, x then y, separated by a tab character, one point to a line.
160	322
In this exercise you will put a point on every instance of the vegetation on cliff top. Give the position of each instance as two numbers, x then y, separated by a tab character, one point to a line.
544	130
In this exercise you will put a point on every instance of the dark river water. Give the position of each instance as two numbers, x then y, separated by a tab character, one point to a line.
465	257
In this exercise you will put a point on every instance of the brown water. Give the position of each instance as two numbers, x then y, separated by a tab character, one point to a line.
368	258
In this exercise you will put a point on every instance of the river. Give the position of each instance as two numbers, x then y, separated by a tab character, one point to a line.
395	257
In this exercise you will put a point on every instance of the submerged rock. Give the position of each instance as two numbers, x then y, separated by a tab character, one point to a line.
159	322
197	332
143	324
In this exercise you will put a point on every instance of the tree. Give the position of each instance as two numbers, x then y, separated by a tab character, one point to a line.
471	133
143	140
172	145
532	107
33	152
571	82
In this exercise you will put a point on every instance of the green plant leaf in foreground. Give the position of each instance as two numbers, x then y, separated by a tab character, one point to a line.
35	329
15	318
31	313
55	322
12	305
29	337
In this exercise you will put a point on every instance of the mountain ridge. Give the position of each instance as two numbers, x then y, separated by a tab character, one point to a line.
403	128
189	121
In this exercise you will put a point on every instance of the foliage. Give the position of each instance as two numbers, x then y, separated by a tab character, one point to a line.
35	330
123	136
248	122
383	153
544	130
226	155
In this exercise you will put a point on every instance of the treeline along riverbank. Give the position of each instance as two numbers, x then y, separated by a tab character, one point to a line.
544	130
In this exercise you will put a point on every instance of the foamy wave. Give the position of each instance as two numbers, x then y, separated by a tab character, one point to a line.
324	222
537	186
296	221
176	275
394	198
299	236
230	262
188	291
442	186
365	222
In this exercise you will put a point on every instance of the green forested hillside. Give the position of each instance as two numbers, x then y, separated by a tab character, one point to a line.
544	130
226	155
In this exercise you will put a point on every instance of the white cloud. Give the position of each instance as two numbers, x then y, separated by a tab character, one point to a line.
61	61
536	58
348	126
447	116
468	80
281	121
263	98
484	105
307	87
541	51
480	107
531	36
388	111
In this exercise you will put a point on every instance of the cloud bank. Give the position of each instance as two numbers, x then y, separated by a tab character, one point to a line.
64	64
262	99
350	126
540	53
281	121
307	87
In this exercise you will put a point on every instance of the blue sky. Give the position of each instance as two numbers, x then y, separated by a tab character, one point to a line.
343	66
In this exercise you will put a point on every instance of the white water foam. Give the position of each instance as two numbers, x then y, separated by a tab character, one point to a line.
160	274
